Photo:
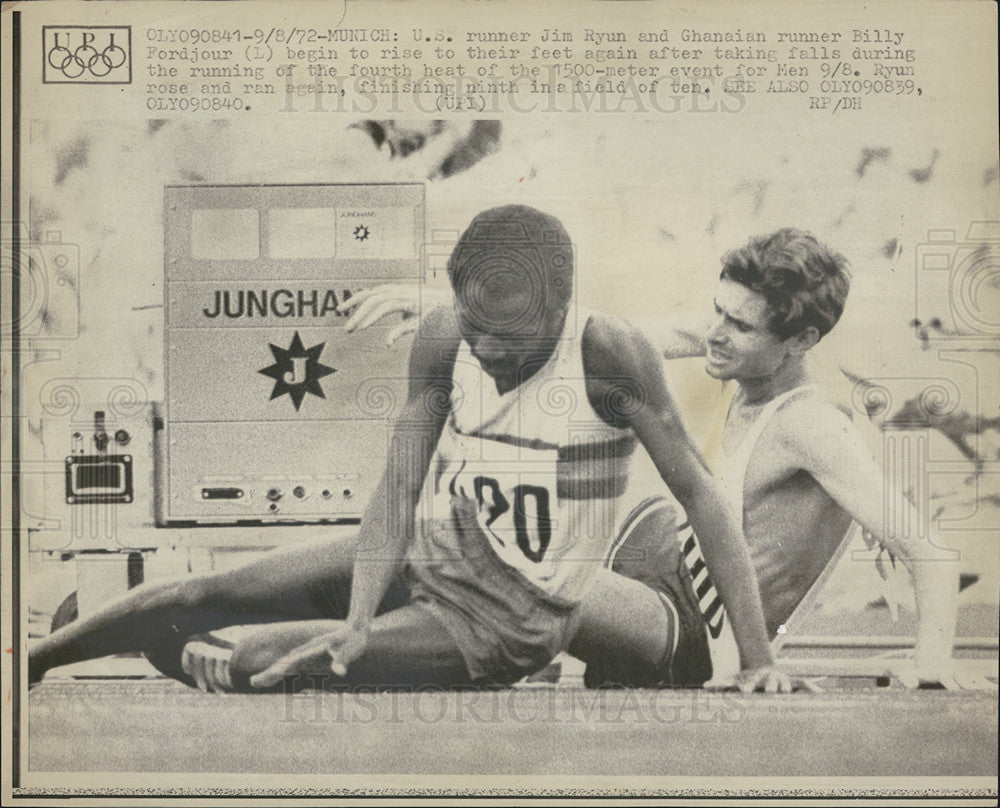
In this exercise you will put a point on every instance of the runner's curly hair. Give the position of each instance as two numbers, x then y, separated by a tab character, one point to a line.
804	282
521	242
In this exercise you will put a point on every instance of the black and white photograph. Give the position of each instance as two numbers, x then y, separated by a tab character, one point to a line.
500	401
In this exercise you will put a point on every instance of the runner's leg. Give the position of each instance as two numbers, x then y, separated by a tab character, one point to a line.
622	618
407	648
648	592
294	583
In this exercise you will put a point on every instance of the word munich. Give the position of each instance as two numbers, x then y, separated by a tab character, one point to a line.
279	303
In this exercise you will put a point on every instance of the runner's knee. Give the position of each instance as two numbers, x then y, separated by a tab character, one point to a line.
255	653
202	591
258	651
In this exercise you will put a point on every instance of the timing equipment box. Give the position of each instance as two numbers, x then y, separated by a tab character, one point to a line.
273	412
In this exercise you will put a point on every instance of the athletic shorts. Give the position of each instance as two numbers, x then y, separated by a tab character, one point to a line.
504	626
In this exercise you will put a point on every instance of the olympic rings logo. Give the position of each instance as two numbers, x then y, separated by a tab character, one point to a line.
73	64
86	60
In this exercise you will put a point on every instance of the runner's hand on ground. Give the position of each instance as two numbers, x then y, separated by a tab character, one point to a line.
912	675
338	650
768	679
936	674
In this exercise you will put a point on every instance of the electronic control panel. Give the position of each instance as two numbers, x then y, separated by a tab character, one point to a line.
273	411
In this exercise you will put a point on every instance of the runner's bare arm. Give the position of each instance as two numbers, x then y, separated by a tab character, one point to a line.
387	525
626	385
830	448
388	522
676	336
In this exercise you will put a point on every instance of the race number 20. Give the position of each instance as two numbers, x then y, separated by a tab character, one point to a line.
529	512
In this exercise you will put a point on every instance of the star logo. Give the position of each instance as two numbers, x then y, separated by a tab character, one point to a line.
297	371
361	232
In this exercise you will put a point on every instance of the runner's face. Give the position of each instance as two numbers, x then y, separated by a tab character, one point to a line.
740	345
507	327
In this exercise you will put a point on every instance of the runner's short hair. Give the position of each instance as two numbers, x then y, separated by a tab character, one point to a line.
804	282
533	246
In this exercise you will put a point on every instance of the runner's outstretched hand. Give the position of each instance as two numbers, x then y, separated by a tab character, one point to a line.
768	679
371	305
336	650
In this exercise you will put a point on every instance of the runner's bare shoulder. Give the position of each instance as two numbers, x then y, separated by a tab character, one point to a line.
811	417
619	361
435	347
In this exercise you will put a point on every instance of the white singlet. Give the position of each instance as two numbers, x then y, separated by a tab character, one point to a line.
731	468
517	509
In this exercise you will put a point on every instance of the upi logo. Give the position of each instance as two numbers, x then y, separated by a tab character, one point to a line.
87	54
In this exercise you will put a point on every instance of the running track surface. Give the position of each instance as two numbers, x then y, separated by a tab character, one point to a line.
152	725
